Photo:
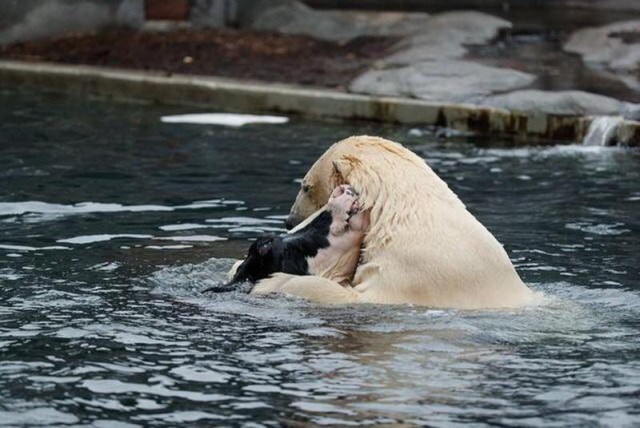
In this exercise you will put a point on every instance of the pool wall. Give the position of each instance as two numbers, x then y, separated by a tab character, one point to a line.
258	97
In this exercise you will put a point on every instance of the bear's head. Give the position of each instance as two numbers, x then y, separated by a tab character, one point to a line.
363	162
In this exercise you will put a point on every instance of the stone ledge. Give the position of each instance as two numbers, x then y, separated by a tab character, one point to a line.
244	96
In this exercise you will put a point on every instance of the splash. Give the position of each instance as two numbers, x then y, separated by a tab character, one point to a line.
42	211
602	131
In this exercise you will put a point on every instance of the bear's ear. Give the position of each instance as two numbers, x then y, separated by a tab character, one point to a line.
341	169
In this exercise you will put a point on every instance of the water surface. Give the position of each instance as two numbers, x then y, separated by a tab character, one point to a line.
111	222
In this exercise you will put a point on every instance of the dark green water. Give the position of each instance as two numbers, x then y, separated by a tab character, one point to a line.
110	223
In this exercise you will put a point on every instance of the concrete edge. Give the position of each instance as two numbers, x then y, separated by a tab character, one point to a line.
257	97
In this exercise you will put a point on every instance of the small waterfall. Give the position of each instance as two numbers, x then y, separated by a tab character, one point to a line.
601	130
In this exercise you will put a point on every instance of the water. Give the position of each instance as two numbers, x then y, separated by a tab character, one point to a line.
602	130
111	222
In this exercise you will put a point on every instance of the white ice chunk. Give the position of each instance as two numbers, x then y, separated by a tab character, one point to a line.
225	119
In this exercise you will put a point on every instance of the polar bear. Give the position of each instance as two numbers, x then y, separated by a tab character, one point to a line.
423	247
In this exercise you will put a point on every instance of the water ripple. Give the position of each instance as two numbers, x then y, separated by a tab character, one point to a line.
110	329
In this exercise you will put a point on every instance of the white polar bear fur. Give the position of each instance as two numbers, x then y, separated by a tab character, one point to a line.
423	247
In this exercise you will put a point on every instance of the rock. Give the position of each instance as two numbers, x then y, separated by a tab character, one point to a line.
382	24
427	64
130	13
606	46
56	18
443	37
293	17
210	13
563	102
452	81
464	27
612	49
429	50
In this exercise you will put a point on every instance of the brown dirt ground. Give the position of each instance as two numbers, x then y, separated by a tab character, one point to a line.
228	53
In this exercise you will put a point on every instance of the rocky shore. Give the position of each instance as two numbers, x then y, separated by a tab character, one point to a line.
464	57
252	55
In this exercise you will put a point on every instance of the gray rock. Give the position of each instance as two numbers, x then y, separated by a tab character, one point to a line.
563	102
444	35
453	81
293	17
55	18
383	24
250	11
603	46
211	13
464	27
130	13
429	50
607	50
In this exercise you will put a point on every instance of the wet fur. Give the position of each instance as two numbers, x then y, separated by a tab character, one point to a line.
422	247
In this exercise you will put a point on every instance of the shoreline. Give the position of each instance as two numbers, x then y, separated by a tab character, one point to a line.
243	96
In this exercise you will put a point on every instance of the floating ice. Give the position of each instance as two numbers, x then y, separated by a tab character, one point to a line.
225	119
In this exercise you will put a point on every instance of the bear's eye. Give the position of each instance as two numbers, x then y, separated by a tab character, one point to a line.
306	188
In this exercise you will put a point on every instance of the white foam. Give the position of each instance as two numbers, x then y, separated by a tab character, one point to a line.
108	386
89	239
17	208
598	229
255	229
106	266
569	150
243	221
183	226
602	130
37	207
225	119
10	275
200	238
168	247
28	248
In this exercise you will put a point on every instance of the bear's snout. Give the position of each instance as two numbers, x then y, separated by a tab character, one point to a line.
292	221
